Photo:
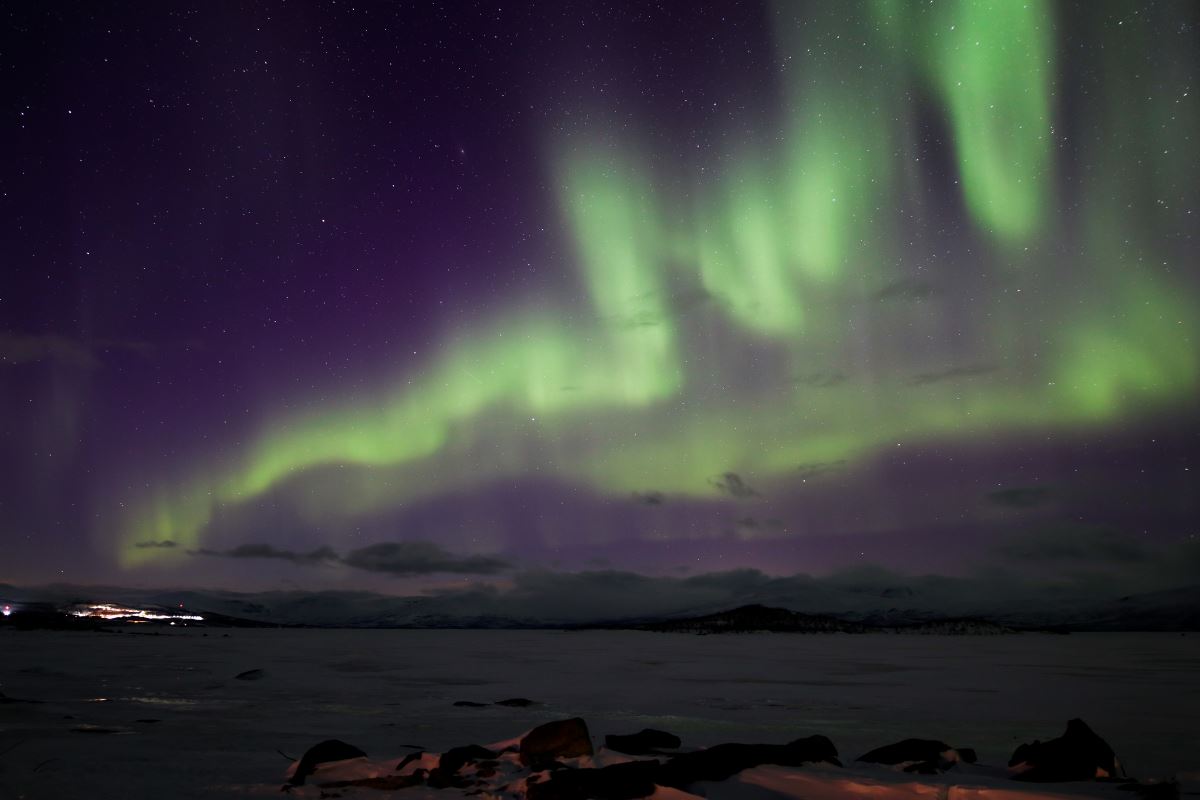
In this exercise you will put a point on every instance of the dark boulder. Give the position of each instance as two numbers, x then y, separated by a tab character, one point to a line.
645	742
97	729
617	782
386	783
1078	755
5	700
724	760
564	738
453	759
1166	790
440	779
923	756
251	675
408	759
516	702
323	753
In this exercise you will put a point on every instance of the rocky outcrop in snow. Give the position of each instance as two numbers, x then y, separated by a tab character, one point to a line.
1078	755
555	761
643	743
922	756
330	750
566	738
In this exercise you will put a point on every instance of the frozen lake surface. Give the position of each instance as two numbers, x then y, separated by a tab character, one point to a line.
383	690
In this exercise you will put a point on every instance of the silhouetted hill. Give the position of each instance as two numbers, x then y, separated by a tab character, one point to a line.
729	602
747	619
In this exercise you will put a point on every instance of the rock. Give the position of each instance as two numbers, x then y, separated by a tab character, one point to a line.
923	756
516	702
387	783
724	760
322	753
564	738
98	729
440	779
617	782
469	704
251	675
408	759
1166	790
1078	755
5	699
645	742
453	759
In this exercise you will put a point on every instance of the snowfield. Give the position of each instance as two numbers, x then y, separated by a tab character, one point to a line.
136	716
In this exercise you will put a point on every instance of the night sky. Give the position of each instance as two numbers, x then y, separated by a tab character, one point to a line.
402	296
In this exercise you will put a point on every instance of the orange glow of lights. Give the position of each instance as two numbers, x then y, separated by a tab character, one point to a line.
111	611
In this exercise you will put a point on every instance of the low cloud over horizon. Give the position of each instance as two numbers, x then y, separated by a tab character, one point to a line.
1079	575
402	559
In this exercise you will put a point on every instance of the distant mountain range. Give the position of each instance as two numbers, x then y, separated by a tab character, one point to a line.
759	618
892	608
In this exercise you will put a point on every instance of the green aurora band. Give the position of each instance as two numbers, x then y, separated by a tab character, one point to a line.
714	326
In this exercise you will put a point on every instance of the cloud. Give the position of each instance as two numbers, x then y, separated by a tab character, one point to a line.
732	484
951	373
639	319
748	527
420	558
392	558
1075	544
322	555
689	299
606	594
815	469
1020	496
21	348
29	348
820	380
1010	593
663	308
164	545
650	498
906	289
731	581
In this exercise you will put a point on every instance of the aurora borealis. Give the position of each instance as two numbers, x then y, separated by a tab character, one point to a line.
792	286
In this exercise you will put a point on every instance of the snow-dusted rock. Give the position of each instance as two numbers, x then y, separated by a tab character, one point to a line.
721	761
328	751
456	757
565	738
924	756
644	742
626	781
1078	755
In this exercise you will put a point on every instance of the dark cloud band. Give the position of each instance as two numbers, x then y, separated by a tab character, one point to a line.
392	558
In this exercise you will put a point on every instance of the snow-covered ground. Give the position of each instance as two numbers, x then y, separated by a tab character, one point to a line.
384	691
